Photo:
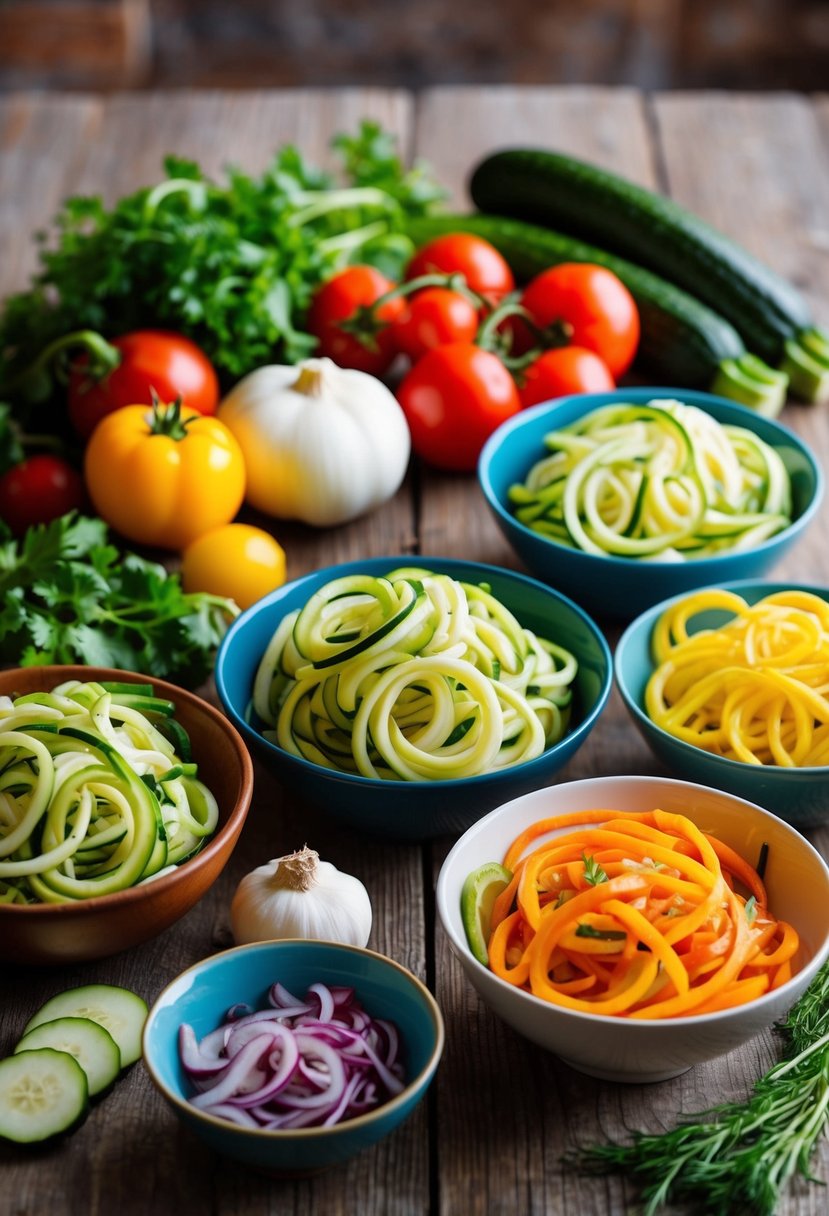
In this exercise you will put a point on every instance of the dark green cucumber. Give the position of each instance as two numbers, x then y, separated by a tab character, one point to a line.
683	343
650	230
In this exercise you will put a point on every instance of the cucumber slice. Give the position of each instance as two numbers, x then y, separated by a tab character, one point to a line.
42	1093
118	1010
92	1046
479	892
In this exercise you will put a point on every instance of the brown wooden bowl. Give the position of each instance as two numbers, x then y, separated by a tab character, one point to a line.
107	924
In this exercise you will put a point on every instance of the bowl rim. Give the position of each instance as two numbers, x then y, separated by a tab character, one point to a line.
96	904
645	1025
647	619
574	736
638	395
412	1086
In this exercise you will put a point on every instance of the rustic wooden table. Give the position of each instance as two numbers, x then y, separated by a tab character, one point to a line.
490	1137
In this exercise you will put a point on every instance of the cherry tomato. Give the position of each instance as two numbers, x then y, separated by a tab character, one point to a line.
151	359
336	301
453	399
565	370
485	270
237	561
38	490
434	317
593	304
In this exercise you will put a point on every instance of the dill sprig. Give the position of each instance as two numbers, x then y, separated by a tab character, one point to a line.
739	1156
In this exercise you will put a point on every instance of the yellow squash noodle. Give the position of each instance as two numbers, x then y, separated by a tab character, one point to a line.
754	688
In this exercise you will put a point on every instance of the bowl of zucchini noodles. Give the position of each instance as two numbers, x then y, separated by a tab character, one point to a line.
121	800
727	685
647	491
408	696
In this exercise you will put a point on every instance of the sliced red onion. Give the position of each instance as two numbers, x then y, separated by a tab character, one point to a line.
315	1061
237	1075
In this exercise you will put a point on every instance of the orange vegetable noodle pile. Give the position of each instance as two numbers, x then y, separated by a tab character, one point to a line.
636	915
754	690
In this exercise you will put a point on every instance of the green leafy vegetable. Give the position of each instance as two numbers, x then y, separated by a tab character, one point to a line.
68	596
593	872
741	1156
233	265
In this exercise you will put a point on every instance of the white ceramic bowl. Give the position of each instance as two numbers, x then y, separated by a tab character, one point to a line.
622	1049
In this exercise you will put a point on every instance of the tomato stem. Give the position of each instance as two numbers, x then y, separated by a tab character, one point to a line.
166	418
364	323
35	381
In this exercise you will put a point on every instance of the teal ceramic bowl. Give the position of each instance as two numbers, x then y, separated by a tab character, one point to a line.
416	810
201	997
620	587
798	795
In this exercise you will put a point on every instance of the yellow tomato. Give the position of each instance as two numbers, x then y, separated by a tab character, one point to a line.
163	475
237	561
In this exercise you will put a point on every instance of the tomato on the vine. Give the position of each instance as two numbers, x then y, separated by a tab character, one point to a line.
434	317
337	300
486	271
453	399
593	306
38	490
150	361
561	371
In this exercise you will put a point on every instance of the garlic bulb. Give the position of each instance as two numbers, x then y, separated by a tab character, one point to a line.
322	443
300	896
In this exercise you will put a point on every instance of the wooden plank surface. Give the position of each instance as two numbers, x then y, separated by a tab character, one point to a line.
491	1136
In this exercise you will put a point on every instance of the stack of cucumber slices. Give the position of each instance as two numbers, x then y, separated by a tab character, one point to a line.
72	1050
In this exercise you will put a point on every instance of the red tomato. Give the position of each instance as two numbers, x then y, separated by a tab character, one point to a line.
336	301
170	364
595	307
39	490
434	317
485	270
453	399
565	370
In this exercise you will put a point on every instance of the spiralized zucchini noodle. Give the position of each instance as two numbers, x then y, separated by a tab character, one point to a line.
412	676
94	793
753	689
663	480
636	915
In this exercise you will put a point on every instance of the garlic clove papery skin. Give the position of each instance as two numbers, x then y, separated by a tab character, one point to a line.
322	444
328	906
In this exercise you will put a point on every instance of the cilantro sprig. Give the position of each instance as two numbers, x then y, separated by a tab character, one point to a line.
67	595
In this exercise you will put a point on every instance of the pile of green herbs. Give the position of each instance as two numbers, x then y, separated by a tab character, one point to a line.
740	1157
67	595
231	264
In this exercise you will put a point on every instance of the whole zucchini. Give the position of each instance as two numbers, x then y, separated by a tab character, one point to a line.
657	233
683	343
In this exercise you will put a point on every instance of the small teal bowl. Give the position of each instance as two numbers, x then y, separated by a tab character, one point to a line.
800	796
201	997
622	587
417	810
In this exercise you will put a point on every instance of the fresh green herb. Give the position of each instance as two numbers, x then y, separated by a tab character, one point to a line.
751	909
601	935
741	1156
593	872
68	596
233	264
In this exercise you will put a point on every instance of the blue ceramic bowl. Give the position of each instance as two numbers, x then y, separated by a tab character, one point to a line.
417	810
201	997
622	587
798	795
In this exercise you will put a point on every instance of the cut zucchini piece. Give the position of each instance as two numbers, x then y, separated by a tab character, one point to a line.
91	1045
118	1010
42	1094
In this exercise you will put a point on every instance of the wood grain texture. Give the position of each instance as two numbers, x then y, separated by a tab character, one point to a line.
501	1114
